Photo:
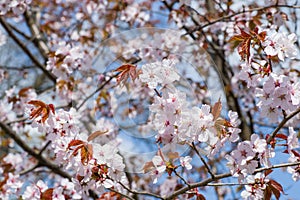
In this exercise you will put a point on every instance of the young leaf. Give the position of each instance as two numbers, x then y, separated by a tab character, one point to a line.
96	134
42	109
216	110
47	195
126	70
173	155
276	188
148	167
244	41
281	136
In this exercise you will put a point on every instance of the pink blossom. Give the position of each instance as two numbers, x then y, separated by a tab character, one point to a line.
159	73
256	190
33	192
294	170
160	167
281	44
292	140
168	187
186	162
259	145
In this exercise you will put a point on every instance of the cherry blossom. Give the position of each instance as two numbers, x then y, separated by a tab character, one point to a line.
294	170
256	188
160	167
34	191
281	44
65	111
186	162
163	73
18	6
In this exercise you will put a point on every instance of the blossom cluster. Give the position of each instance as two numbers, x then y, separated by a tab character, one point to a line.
278	93
176	122
17	6
66	59
94	165
248	156
281	45
256	186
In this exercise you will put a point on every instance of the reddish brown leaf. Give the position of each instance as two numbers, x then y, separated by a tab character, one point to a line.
267	172
109	195
200	197
86	150
47	195
75	143
148	167
86	153
173	155
261	36
268	193
96	134
244	42
216	110
23	92
276	188
296	153
42	109
126	70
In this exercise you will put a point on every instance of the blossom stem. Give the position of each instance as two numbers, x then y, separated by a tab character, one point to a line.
185	182
208	181
140	193
122	194
203	161
281	124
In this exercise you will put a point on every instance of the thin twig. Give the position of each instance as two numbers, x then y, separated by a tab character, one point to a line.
30	170
97	90
140	193
237	13
282	123
185	182
227	184
122	194
221	176
44	148
203	161
36	34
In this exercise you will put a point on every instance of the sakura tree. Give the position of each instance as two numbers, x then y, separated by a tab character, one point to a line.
105	99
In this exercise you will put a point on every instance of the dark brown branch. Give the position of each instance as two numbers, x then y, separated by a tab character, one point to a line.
221	176
282	123
140	193
202	159
26	50
41	160
97	90
220	19
36	34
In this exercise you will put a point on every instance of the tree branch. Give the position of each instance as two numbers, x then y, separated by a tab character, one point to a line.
207	181
202	159
26	50
41	160
140	193
97	90
238	13
282	123
36	34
